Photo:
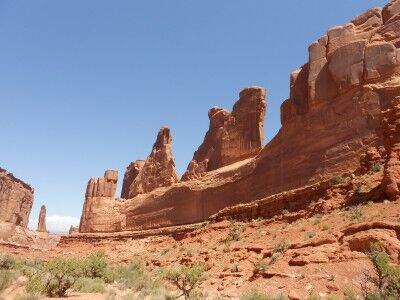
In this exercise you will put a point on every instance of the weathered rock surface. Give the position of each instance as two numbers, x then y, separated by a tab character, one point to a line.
99	212
233	136
132	171
342	104
42	220
16	199
157	171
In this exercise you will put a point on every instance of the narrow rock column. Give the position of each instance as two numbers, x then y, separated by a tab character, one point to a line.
42	220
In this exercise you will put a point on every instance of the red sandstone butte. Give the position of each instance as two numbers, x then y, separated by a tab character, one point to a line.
16	199
343	103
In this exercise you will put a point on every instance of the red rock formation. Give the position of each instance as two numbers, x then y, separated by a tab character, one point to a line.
99	212
132	171
157	171
233	136
42	220
338	102
16	198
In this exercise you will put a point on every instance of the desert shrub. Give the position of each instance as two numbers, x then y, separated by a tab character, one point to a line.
7	262
55	277
285	211
6	278
314	296
282	246
95	265
89	285
134	277
185	278
332	297
349	294
317	219
359	188
235	268
355	213
309	235
235	231
338	179
254	294
376	167
383	282
262	265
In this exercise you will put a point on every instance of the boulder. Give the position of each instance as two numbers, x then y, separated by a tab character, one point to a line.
16	199
232	136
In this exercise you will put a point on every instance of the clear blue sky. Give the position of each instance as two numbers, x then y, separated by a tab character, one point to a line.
85	85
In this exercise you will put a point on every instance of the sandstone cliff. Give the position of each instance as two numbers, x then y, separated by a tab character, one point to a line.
99	213
233	136
16	199
157	171
342	104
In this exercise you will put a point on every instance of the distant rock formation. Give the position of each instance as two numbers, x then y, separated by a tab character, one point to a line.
343	109
98	212
42	220
73	229
16	199
233	136
158	170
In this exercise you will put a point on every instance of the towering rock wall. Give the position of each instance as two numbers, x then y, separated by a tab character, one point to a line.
342	103
158	170
231	137
16	199
99	212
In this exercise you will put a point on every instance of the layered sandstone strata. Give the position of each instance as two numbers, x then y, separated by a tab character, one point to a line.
16	199
158	170
342	104
99	213
42	220
232	136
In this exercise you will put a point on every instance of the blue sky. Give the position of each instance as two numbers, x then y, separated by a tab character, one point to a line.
85	85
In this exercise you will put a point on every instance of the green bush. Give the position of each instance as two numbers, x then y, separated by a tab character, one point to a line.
6	278
7	262
55	277
338	180
314	296
185	278
376	167
355	214
255	294
349	294
309	235
89	285
133	277
383	282
95	265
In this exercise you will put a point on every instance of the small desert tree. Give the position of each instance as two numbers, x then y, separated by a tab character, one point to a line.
56	276
185	278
